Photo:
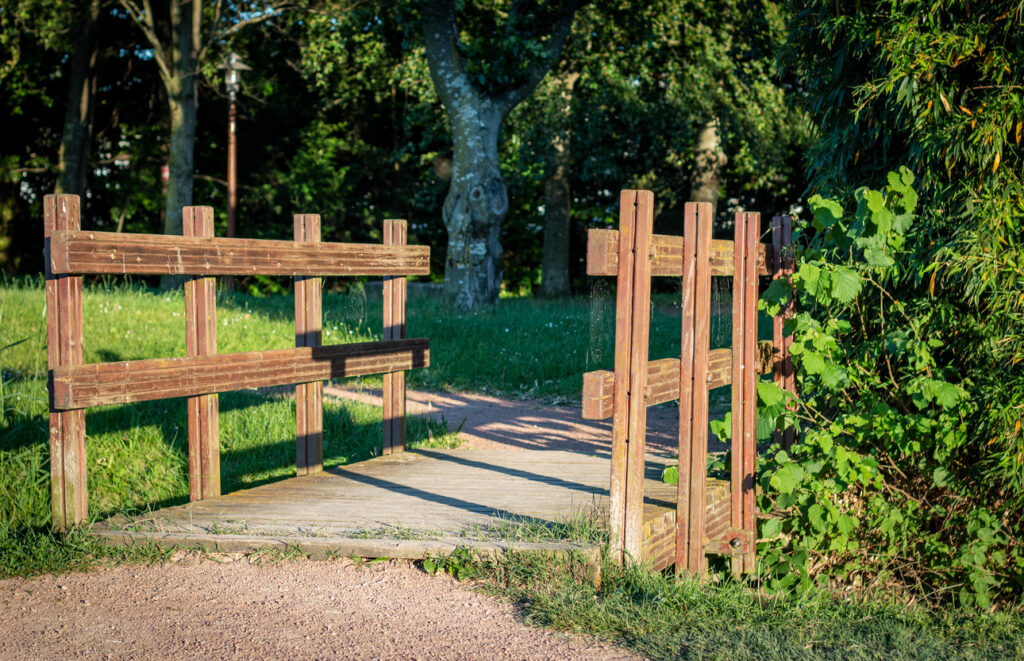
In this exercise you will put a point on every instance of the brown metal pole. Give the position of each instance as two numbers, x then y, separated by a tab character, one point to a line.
229	281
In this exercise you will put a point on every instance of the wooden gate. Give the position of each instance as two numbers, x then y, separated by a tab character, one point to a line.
711	516
75	386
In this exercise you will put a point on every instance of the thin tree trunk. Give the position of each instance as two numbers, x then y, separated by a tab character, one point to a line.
558	200
76	141
707	179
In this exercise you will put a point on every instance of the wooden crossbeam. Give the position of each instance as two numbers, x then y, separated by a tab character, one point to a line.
667	255
97	384
663	380
81	252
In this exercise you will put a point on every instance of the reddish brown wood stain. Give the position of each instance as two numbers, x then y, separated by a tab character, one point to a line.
75	386
635	254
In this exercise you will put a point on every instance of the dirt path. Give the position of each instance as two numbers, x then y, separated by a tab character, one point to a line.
491	423
202	609
234	609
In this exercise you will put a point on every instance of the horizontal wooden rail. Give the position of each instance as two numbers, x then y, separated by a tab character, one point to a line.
97	384
667	258
663	380
81	252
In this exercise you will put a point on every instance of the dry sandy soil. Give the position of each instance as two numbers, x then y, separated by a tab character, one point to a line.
233	608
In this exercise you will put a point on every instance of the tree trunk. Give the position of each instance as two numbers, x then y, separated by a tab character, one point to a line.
558	199
707	178
475	206
76	142
182	108
477	200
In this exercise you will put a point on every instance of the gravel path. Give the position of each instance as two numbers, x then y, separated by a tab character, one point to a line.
231	608
196	608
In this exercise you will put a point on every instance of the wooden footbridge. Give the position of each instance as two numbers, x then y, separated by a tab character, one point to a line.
411	504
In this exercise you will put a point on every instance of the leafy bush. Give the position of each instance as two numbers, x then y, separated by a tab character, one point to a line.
887	486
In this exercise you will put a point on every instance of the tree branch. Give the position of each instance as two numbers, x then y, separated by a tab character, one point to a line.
552	49
144	19
446	67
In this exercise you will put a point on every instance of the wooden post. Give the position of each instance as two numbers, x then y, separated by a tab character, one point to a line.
309	407
750	377
738	323
395	290
68	492
632	326
782	268
693	388
201	340
639	355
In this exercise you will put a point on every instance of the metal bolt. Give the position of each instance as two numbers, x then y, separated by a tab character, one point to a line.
735	542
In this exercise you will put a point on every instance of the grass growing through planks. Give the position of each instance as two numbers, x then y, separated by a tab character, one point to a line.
661	618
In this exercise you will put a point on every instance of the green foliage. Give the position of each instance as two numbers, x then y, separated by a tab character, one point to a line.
461	563
886	484
660	617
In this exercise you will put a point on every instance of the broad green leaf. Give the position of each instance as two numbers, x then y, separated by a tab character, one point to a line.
812	362
771	528
816	515
826	212
846	284
946	395
769	393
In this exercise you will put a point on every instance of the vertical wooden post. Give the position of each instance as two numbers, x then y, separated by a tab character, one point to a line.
750	377
639	355
201	340
395	289
620	401
739	321
68	492
782	268
693	389
789	437
309	407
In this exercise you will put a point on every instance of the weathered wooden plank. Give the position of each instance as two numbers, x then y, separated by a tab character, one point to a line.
739	321
667	257
201	340
621	403
155	254
96	384
697	561
750	377
395	233
663	380
639	351
68	488
789	437
685	373
309	412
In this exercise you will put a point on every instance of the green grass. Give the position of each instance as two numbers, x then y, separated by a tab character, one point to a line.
661	618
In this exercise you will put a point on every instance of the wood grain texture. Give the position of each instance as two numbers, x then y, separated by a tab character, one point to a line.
621	400
201	340
97	384
153	254
667	255
697	562
68	484
686	376
739	321
395	293
663	380
639	356
750	377
309	408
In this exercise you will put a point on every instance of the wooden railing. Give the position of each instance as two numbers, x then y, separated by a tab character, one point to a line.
199	376
634	254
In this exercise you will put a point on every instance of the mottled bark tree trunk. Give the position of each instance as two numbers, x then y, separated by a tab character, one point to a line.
711	160
477	200
76	141
475	207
